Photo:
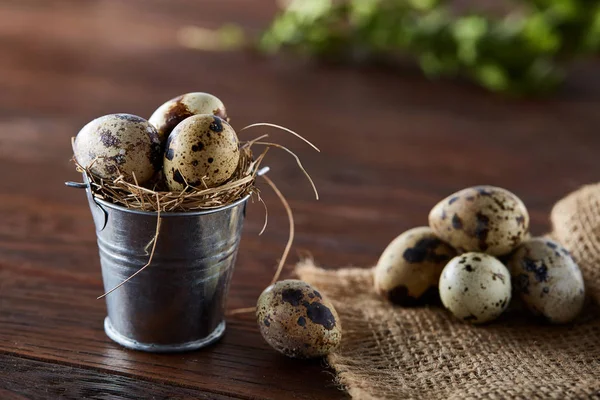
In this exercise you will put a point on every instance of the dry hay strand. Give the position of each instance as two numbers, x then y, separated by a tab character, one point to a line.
286	251
152	243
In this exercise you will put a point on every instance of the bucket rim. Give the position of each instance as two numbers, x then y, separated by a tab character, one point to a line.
167	214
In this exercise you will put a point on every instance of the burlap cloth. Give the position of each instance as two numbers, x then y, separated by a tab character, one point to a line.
390	352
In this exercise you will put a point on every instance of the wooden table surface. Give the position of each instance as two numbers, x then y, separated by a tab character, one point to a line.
392	145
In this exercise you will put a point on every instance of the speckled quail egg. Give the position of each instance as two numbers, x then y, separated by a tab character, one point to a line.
484	219
475	287
202	151
548	280
119	144
409	269
297	320
171	113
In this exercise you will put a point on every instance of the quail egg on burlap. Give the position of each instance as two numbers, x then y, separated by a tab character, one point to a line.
409	269
475	287
548	280
170	114
119	144
202	151
484	219
297	320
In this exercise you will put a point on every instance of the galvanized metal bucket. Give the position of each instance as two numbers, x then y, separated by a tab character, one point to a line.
178	302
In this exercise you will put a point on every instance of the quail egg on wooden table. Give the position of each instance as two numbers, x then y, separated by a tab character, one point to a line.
170	114
297	320
119	144
202	151
548	280
484	219
475	287
409	269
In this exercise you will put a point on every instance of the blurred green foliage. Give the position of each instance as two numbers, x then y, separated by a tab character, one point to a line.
523	51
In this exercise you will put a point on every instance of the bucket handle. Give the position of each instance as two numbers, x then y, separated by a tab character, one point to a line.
99	215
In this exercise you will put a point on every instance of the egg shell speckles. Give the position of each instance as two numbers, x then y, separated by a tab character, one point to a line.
119	144
203	151
548	280
170	114
409	269
484	219
475	287
296	320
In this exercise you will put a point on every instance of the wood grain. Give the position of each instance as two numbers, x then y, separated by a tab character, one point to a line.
392	144
31	379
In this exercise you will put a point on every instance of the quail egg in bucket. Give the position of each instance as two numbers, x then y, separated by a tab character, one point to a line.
202	151
119	144
171	113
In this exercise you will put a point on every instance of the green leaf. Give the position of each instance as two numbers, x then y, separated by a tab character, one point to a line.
309	10
541	35
423	5
471	28
493	77
592	37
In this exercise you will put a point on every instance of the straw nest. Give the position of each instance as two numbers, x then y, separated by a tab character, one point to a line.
155	197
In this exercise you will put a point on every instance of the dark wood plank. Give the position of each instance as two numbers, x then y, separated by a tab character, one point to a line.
31	379
392	145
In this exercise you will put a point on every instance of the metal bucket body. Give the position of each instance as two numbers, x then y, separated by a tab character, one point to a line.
178	302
